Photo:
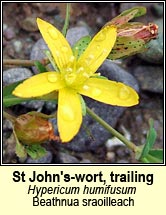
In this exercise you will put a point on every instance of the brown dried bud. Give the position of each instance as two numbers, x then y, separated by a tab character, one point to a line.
33	129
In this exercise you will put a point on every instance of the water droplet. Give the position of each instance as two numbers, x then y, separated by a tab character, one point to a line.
96	92
85	87
104	51
70	78
57	53
100	37
64	49
72	58
69	69
85	74
89	59
52	78
124	93
98	47
80	69
53	33
67	113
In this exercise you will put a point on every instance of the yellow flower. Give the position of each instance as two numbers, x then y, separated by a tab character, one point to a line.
75	77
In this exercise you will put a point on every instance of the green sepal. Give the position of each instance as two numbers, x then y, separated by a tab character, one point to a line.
80	46
20	148
83	106
127	15
126	46
35	151
51	59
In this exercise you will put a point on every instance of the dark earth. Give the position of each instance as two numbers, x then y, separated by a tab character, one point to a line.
20	34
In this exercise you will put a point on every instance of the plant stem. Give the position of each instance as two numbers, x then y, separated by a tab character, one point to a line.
9	116
67	19
128	143
23	62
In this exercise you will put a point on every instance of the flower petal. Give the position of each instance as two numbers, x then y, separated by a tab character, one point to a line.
56	42
98	49
69	114
109	92
39	85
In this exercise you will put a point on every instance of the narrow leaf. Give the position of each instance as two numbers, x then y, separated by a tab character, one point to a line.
150	140
158	153
40	67
83	106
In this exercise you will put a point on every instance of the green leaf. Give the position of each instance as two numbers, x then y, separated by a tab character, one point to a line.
100	77
83	106
7	90
150	140
126	46
158	153
40	67
80	46
150	159
36	151
13	100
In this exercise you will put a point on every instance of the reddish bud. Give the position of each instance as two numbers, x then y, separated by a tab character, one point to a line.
33	129
138	31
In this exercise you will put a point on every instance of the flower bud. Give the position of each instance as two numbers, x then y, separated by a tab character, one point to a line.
33	129
138	30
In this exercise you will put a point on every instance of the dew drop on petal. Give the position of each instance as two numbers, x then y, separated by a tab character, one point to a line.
69	69
52	78
64	49
104	51
72	58
57	53
80	69
100	37
123	93
67	113
70	78
96	92
85	74
98	47
52	32
85	87
89	59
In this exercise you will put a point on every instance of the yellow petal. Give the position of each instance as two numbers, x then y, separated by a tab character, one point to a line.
39	85
69	114
56	42
109	92
98	49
